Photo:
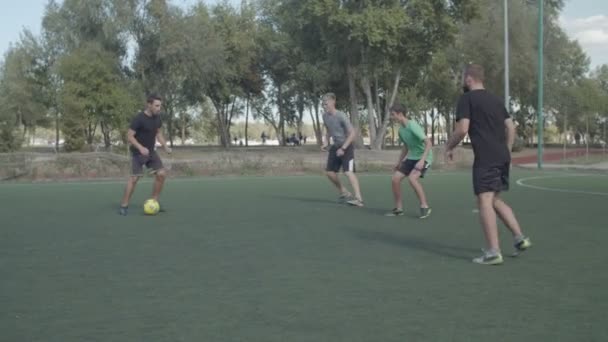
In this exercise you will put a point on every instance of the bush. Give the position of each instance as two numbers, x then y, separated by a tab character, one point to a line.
9	140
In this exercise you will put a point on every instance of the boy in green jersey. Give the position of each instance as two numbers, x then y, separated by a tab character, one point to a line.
414	161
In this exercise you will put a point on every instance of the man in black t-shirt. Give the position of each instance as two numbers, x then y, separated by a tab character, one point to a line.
484	118
142	135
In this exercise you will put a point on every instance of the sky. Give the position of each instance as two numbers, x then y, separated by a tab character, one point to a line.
585	20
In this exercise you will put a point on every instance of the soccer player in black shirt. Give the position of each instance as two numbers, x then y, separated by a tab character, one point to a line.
484	118
142	135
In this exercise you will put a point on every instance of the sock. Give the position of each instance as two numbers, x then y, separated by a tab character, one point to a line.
492	252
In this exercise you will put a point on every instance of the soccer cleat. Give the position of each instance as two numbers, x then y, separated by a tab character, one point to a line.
489	259
425	212
123	211
395	212
355	202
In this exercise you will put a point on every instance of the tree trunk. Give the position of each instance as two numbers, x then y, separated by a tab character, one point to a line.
276	127
247	121
57	129
565	131
169	112
229	115
183	128
105	131
221	125
377	94
354	110
587	137
300	105
281	133
448	125
371	116
604	144
381	132
426	123
433	126
91	133
316	124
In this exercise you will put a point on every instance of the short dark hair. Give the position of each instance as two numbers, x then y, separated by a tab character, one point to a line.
399	108
153	97
475	71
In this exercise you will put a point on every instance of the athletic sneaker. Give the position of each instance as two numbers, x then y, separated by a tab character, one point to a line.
523	244
425	212
123	211
355	202
489	259
395	212
345	197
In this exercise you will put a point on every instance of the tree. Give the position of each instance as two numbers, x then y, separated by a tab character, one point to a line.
88	72
21	89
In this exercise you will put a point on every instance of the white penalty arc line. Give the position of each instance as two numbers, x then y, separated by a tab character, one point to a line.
521	182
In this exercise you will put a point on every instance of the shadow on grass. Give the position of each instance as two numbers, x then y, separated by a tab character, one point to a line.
415	243
307	200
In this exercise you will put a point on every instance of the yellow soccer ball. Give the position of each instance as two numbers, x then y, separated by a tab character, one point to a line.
151	207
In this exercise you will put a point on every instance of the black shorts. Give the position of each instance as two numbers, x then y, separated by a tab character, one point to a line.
408	165
151	161
491	178
346	162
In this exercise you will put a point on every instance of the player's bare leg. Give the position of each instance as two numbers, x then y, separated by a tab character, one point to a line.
333	177
159	181
507	216
414	180
504	211
129	189
354	182
396	185
487	218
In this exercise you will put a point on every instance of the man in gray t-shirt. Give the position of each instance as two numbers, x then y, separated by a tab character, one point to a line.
341	153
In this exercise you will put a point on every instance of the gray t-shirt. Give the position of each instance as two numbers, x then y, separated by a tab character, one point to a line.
338	126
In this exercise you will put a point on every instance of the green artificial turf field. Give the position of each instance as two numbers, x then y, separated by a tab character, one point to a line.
277	259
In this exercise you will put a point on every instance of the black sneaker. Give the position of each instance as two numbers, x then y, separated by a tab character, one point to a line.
521	245
425	212
395	212
123	211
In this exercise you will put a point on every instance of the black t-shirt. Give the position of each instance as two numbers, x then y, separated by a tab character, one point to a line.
145	127
487	129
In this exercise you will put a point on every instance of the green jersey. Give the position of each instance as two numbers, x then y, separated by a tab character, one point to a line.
412	135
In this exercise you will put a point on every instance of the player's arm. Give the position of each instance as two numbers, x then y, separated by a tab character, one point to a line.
463	118
510	128
401	157
460	131
161	139
420	134
350	138
427	148
131	139
327	138
352	134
